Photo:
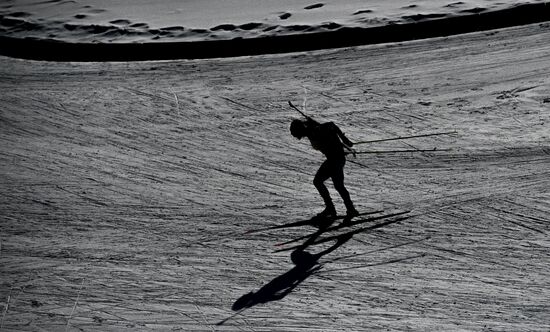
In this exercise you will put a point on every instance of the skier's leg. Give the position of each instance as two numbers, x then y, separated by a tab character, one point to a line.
321	176
338	181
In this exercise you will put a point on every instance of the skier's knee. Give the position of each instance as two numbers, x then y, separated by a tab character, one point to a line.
339	186
318	182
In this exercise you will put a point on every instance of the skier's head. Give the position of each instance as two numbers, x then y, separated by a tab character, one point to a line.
298	129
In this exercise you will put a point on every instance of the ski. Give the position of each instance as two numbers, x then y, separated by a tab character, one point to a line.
316	220
348	234
345	224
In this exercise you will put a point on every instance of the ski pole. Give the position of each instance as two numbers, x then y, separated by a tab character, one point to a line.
407	137
401	151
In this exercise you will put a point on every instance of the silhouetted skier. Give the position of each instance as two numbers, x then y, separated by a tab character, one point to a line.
330	140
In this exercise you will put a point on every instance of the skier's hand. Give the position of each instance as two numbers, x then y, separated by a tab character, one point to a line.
352	151
344	139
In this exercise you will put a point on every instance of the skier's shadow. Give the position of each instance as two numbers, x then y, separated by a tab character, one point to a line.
305	264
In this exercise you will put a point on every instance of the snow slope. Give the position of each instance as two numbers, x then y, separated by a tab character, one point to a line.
127	189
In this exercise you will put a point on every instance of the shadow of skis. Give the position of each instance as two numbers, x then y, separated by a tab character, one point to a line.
314	221
351	223
305	263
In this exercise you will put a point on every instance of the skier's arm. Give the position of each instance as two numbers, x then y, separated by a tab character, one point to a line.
341	135
345	141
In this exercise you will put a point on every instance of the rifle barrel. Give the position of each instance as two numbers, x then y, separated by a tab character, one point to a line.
296	108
